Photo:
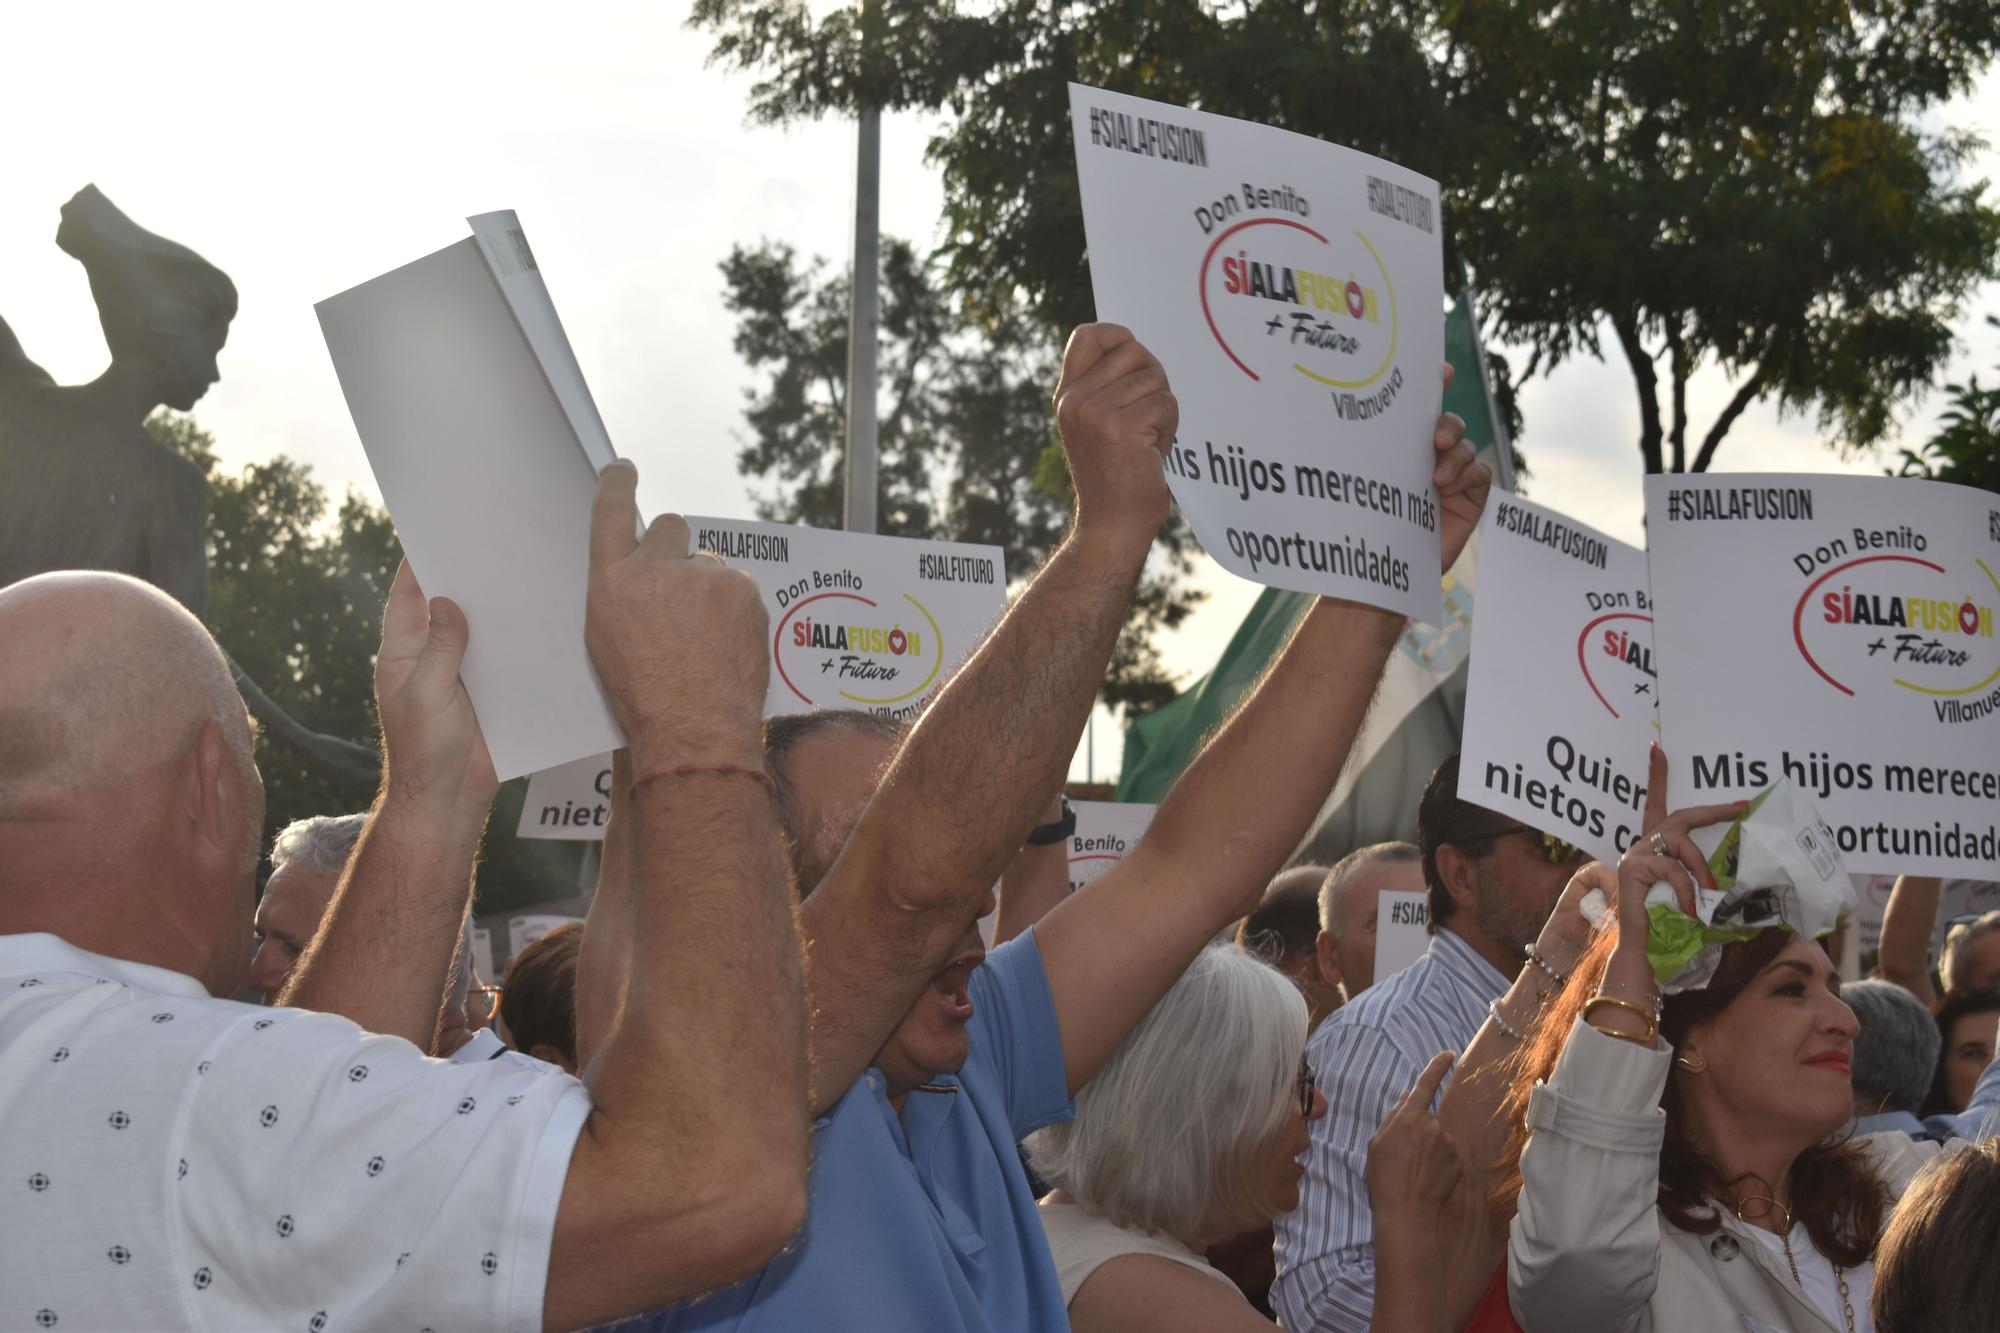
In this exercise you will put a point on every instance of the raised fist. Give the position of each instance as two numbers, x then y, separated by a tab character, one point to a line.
679	641
1117	417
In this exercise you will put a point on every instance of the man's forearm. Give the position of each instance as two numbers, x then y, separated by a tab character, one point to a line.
1033	882
383	953
604	962
1241	807
710	1044
999	737
1908	923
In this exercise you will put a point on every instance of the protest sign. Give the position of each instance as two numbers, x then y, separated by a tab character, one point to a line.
1560	701
1402	931
1105	832
1838	631
525	930
857	621
482	951
568	803
486	452
1294	292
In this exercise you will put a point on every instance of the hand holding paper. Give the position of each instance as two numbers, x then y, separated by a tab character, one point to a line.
436	751
677	640
1117	417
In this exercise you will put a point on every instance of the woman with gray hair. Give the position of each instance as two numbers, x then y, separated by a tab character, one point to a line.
1192	1133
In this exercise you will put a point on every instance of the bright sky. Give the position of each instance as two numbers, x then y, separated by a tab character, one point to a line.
303	155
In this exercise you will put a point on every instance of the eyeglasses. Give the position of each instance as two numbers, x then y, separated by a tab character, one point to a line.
478	1015
1548	846
1307	1087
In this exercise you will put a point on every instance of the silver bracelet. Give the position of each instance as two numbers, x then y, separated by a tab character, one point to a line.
1493	1012
1535	957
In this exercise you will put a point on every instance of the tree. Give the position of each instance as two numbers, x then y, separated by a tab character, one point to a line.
299	607
967	450
1734	183
1966	448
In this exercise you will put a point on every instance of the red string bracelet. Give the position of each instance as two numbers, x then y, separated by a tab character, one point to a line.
690	770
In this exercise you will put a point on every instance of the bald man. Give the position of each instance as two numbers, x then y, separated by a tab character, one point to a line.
179	1161
1345	948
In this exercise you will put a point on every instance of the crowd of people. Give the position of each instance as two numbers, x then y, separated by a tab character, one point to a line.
780	1080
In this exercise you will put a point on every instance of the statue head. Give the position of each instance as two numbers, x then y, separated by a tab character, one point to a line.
165	310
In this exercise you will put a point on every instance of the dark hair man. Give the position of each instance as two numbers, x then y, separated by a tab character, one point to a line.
1283	930
185	1161
1492	882
931	1057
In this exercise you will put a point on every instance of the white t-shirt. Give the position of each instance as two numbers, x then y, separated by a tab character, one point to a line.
173	1161
1816	1278
1081	1243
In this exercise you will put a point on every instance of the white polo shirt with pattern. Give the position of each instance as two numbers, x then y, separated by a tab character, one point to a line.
171	1161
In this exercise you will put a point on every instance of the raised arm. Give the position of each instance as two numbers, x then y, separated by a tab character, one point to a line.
382	956
604	962
1474	1238
1908	923
1584	1246
1414	1170
1033	882
691	1170
1238	811
968	782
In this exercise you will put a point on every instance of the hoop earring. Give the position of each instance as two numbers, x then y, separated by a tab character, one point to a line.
1690	1065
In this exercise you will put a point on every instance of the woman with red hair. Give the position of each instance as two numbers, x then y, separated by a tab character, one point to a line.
1683	1162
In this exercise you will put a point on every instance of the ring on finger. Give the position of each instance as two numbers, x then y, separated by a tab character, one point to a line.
1659	845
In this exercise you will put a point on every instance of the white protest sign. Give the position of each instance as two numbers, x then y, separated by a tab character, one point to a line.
488	475
1838	631
1560	699
1294	292
1402	931
570	802
857	622
525	930
482	951
1105	832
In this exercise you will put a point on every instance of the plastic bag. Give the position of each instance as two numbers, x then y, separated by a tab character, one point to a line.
1778	864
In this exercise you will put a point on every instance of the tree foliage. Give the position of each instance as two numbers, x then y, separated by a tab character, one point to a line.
1756	185
966	445
298	603
1966	448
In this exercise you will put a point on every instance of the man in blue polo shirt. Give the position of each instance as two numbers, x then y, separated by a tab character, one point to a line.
931	1059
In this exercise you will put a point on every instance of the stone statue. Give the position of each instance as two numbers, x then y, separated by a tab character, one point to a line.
83	483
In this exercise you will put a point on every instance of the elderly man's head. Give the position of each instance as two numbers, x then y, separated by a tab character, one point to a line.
1896	1050
827	766
1348	912
130	804
1971	958
307	858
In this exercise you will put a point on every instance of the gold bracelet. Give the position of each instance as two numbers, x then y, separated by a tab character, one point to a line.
1652	1024
1633	1037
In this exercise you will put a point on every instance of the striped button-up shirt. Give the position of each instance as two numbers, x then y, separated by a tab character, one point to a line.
1366	1056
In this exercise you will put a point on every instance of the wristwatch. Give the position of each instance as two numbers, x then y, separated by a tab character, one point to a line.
1044	834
